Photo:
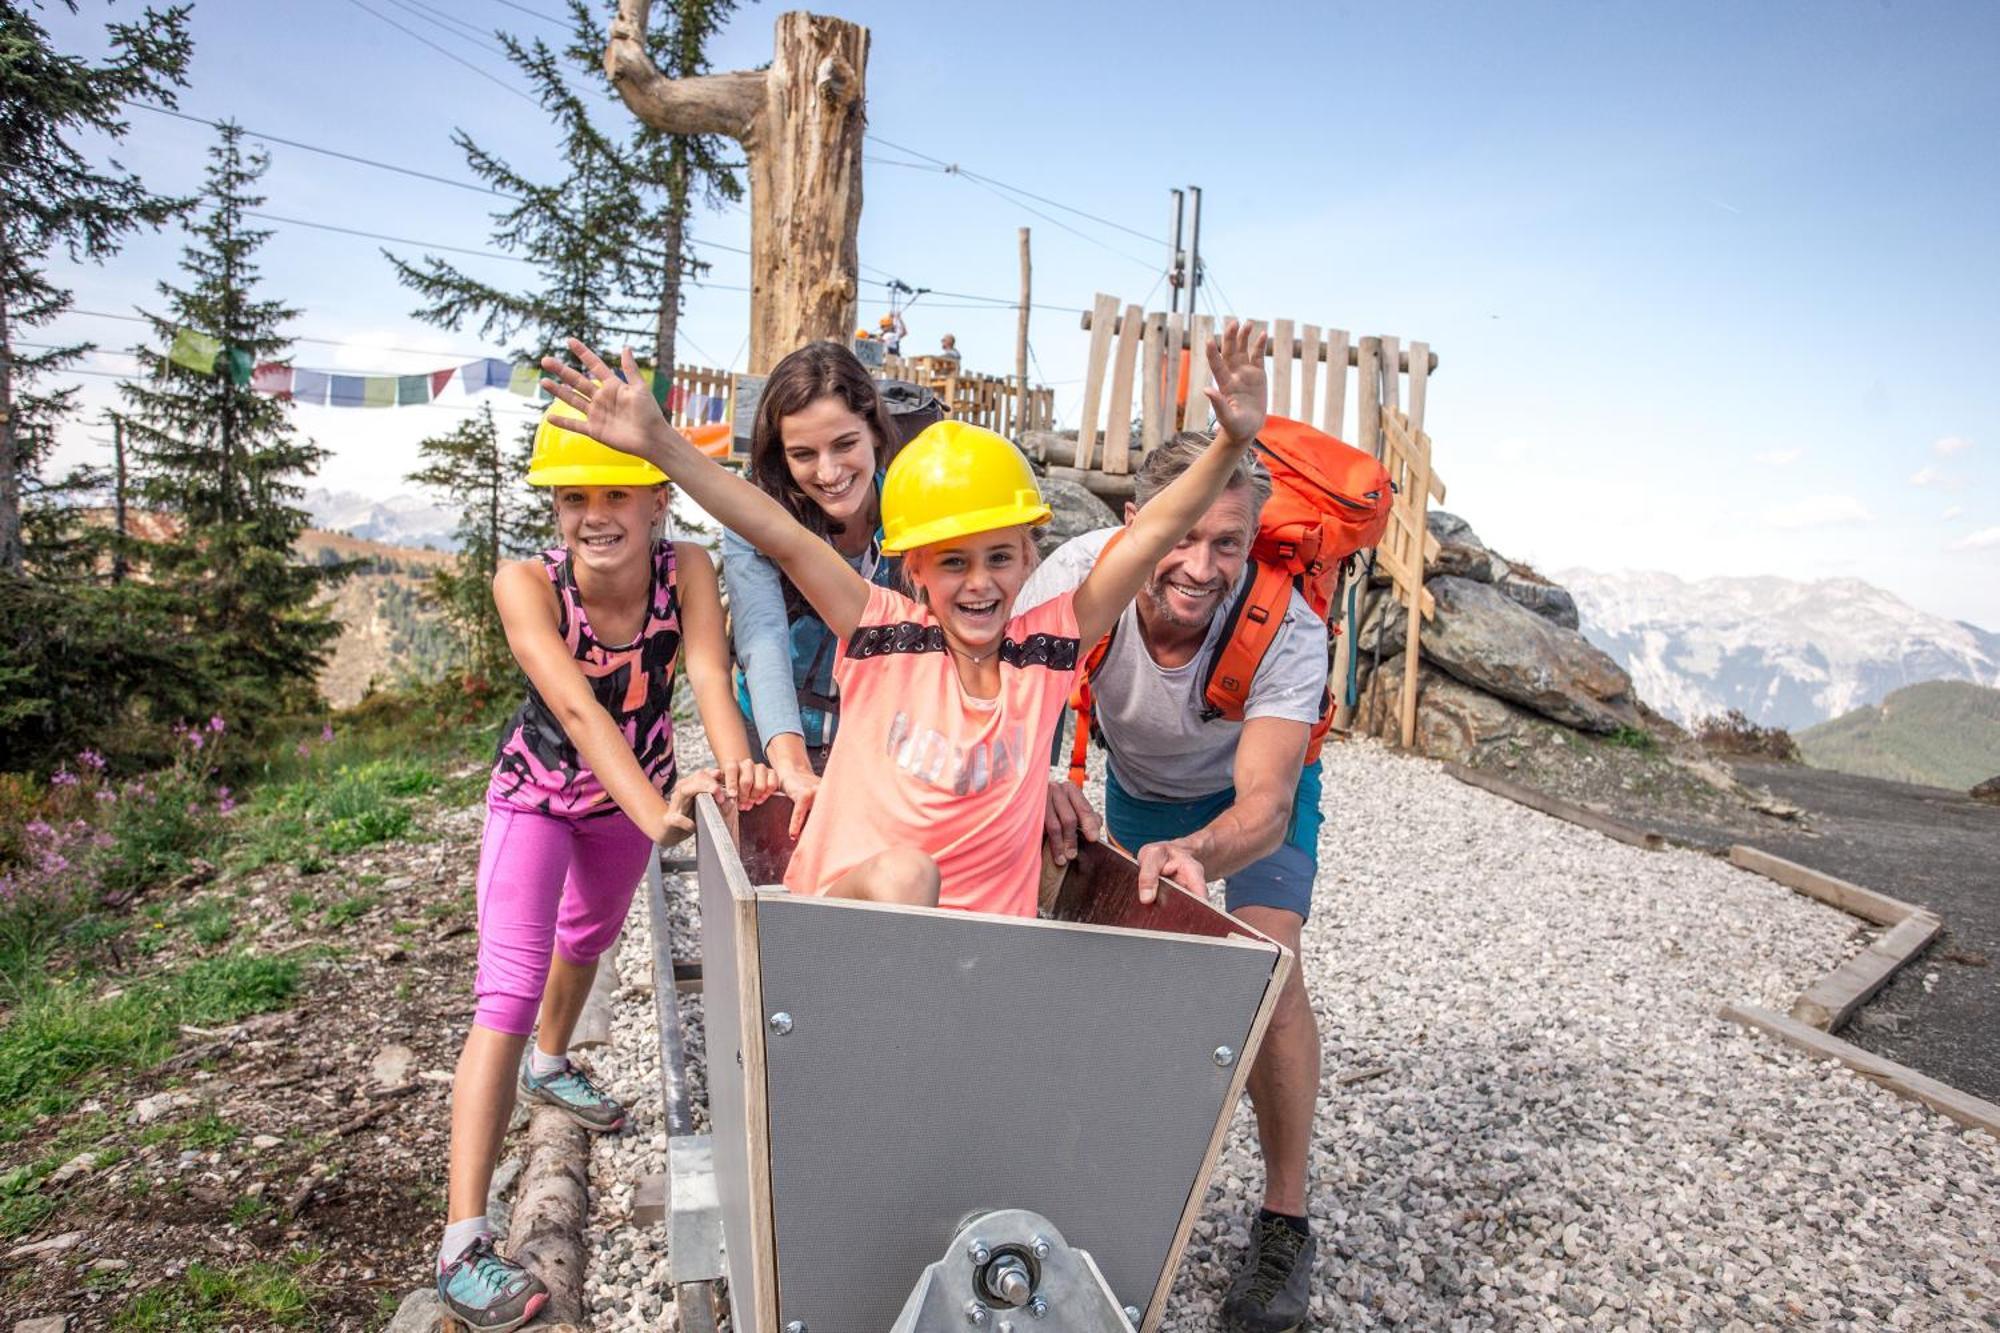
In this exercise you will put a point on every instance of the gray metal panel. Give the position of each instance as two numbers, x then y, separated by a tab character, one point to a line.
942	1063
729	1093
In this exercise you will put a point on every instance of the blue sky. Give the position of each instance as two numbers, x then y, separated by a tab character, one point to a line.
1713	287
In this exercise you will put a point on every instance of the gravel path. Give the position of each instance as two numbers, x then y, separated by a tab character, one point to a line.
1565	1136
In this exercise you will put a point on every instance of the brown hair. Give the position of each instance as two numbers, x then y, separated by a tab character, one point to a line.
817	370
1177	455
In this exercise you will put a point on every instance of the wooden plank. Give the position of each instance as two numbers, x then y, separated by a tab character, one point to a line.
1103	312
1156	1308
1154	407
1560	809
1176	344
1203	329
1829	1002
1333	404
1368	398
1311	349
1282	351
1420	380
1851	898
1101	888
1392	379
1394	566
1118	410
1419	494
1963	1107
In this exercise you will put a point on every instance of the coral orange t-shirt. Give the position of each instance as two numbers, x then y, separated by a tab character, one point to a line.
920	763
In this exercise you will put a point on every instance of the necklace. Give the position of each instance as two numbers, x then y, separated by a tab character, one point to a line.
974	658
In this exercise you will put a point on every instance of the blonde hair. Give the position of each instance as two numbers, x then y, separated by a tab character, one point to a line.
1177	455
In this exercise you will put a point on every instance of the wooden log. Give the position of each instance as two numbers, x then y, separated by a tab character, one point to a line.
1963	1107
1333	405
1023	416
1829	1002
801	122
1096	365
1310	341
1850	898
549	1214
1118	414
1116	489
1283	352
1153	407
1560	809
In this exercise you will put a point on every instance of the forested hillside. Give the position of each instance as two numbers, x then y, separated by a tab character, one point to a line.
1943	733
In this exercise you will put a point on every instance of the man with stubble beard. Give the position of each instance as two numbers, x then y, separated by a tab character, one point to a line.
1203	798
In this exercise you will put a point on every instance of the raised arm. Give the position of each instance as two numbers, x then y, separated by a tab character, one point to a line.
623	415
1237	393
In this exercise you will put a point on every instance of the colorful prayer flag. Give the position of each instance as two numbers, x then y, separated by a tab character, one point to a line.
237	363
196	351
347	391
440	378
525	380
378	391
310	386
489	373
412	389
273	378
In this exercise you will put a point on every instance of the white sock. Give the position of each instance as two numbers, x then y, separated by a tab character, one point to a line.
542	1065
458	1238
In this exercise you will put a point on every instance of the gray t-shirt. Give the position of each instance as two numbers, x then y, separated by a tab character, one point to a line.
1159	746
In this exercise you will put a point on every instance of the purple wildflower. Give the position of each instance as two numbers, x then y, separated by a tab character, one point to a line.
217	724
305	751
62	777
92	760
326	732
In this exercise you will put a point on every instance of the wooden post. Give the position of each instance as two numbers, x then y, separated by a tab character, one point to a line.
1103	314
1368	398
1153	408
1308	372
1118	421
800	122
1334	406
1200	329
1420	496
119	561
1024	420
1281	367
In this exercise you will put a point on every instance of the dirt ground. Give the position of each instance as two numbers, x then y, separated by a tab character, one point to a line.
287	1170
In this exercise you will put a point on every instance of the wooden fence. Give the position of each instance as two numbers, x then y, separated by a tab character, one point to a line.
1144	378
984	400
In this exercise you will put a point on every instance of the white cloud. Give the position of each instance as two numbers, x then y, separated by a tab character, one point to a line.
1953	511
1930	476
1819	511
1984	539
1781	457
1948	445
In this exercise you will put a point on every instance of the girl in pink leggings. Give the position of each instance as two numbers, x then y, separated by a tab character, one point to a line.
583	788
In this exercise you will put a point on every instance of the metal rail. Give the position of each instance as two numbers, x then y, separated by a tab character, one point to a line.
695	1301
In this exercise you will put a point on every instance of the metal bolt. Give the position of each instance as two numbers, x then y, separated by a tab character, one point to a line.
796	1326
977	1251
975	1313
1038	1307
1040	1246
1225	1056
1132	1313
781	1022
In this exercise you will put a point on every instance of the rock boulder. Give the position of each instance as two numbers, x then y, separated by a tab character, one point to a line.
1454	721
1075	511
1493	643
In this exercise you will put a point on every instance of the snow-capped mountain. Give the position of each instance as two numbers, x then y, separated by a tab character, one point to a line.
401	520
1784	653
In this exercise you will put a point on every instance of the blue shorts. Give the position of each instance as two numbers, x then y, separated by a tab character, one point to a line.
1284	879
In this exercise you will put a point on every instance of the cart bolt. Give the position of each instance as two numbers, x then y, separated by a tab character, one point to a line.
796	1326
1224	1055
1040	1246
977	1252
781	1023
975	1313
1132	1313
1038	1307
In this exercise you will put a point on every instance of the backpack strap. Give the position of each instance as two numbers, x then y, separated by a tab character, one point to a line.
1247	633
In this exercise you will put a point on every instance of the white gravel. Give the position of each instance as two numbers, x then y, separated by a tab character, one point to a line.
1566	1137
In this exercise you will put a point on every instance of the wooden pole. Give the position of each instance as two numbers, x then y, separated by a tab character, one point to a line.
1024	416
119	563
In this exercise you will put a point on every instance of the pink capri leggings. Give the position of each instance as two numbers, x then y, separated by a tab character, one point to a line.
547	882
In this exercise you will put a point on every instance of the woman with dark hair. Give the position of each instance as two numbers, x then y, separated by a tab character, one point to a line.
820	442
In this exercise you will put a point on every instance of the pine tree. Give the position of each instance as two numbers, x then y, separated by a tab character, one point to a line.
225	462
54	197
498	520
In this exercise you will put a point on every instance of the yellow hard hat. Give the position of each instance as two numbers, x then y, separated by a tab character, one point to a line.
564	458
954	480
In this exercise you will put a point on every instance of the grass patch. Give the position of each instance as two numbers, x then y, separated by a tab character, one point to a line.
352	908
1633	738
209	921
205	1298
315	818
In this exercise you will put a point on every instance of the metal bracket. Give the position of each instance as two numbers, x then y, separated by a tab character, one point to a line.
1011	1271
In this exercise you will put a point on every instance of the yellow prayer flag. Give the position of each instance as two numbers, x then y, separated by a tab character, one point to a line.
196	351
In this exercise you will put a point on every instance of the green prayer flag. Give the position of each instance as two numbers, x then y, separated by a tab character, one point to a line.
237	362
659	384
412	390
196	351
526	380
378	391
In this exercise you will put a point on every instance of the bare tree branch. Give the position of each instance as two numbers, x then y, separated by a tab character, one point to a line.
724	104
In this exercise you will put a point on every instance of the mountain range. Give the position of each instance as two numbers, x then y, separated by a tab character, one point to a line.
1943	733
399	520
1783	653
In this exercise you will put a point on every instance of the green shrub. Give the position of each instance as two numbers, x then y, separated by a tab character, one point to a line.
207	1298
222	990
1633	738
208	921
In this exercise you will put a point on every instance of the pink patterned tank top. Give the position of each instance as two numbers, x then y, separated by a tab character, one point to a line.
537	768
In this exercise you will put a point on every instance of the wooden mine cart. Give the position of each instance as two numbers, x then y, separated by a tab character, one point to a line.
936	1119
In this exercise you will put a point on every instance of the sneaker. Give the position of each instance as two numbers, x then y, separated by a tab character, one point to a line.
490	1294
571	1091
1269	1295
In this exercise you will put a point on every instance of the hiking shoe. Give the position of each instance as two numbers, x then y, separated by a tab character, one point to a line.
490	1294
571	1091
1269	1295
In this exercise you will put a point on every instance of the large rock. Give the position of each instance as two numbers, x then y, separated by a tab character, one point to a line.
1462	560
1547	600
1074	511
1454	721
1493	643
1449	527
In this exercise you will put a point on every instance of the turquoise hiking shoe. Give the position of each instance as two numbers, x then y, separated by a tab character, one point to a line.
490	1294
572	1092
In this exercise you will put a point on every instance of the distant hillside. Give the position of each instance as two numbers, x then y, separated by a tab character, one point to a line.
1784	653
389	632
404	520
1943	733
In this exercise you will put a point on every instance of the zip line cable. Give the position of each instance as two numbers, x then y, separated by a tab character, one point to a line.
532	13
334	152
452	24
452	56
954	169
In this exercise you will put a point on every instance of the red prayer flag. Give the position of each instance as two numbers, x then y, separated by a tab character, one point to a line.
273	378
440	378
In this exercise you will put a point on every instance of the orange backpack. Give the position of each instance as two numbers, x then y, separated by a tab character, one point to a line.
1328	501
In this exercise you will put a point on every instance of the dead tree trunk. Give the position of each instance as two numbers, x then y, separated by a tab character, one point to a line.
801	124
